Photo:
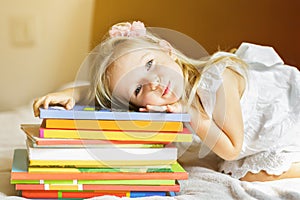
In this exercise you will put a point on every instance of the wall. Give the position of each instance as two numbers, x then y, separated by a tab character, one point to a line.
213	23
43	43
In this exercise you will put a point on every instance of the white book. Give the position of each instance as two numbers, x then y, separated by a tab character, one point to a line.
109	154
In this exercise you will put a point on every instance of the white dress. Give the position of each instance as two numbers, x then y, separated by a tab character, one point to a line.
270	108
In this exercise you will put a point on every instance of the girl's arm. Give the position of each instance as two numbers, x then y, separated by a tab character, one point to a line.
66	98
225	132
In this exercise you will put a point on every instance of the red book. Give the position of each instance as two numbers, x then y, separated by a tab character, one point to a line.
35	194
80	187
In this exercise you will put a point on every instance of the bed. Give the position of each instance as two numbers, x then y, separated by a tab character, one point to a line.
204	181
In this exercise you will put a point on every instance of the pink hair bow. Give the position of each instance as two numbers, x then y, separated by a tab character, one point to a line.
127	29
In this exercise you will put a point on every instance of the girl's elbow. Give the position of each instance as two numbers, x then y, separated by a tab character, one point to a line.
232	154
234	150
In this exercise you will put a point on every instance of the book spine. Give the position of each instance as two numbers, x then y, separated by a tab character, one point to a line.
81	187
184	136
133	125
58	194
96	163
99	176
87	194
147	194
107	115
98	182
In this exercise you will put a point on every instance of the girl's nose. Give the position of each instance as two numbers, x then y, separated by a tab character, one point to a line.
154	83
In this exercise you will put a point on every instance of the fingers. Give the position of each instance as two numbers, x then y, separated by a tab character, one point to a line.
152	108
156	108
70	104
143	110
35	110
40	102
47	101
53	99
170	108
177	107
36	104
174	108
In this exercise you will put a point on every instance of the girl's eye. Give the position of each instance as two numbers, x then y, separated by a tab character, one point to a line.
149	64
137	90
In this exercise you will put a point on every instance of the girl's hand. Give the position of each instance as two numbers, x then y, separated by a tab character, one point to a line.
172	108
58	98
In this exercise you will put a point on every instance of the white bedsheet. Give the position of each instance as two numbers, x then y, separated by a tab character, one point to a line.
203	183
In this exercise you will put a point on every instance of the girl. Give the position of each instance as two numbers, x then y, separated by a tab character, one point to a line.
244	106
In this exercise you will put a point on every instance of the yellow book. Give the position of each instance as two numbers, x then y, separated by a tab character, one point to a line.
184	136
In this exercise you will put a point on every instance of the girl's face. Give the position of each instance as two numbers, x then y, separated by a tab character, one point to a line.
146	77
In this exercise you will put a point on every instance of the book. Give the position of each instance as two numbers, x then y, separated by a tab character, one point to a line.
63	143
59	194
98	182
98	156
32	132
157	136
133	125
20	172
83	187
84	112
145	169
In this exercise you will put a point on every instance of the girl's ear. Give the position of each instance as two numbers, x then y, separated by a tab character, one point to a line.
168	48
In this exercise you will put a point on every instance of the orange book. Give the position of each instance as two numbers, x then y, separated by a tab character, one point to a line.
134	125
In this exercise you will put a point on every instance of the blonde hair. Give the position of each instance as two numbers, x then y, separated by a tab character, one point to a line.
109	50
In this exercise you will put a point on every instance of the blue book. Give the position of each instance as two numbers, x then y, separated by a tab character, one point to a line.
84	112
137	194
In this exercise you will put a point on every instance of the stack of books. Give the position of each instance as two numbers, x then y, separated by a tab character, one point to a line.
85	152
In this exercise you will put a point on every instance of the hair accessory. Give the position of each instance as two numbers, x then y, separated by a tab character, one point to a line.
127	29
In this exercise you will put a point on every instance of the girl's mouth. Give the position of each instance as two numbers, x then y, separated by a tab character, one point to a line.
167	89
